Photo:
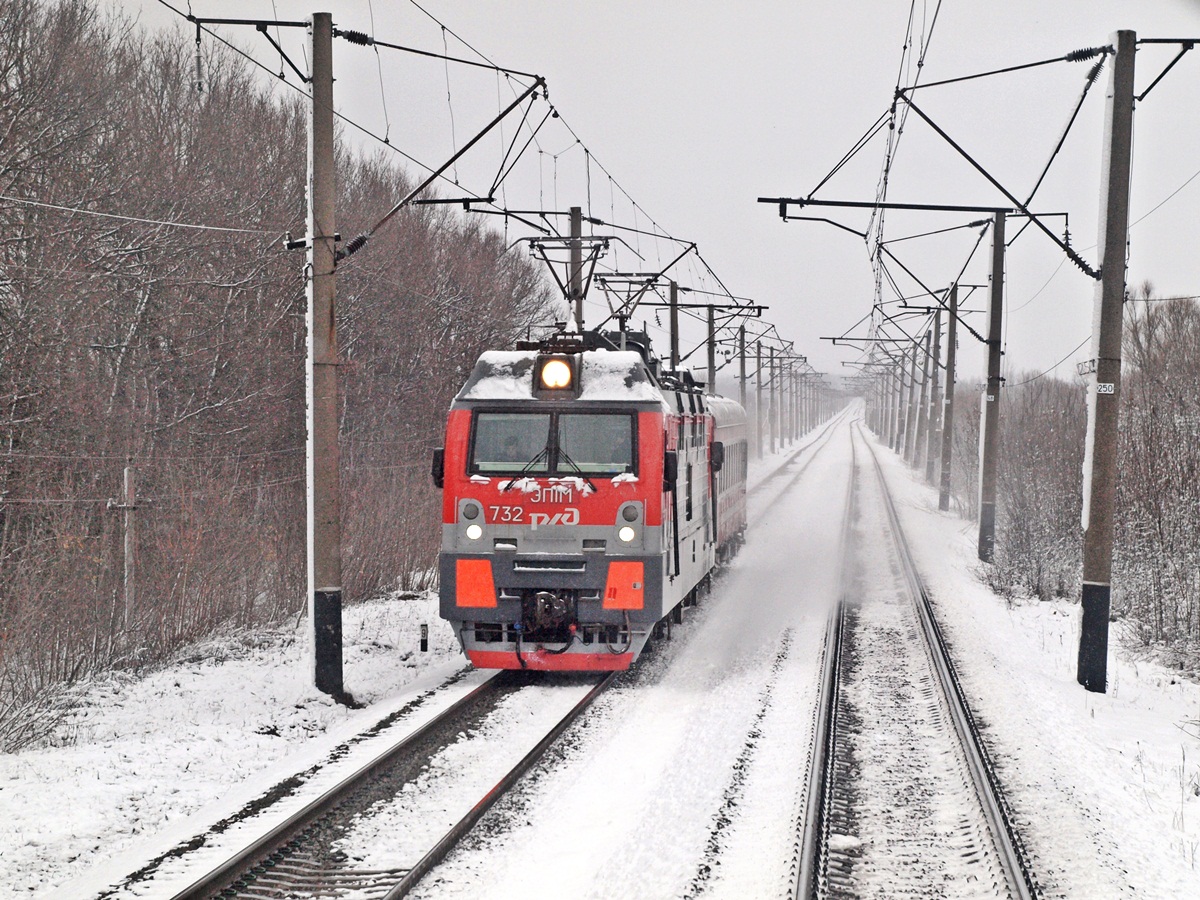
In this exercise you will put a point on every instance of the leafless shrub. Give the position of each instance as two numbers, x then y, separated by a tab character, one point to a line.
28	719
1039	488
964	468
1156	564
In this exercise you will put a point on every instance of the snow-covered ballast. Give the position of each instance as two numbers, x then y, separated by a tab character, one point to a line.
577	506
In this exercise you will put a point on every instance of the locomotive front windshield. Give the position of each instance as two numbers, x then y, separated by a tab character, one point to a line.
511	442
557	444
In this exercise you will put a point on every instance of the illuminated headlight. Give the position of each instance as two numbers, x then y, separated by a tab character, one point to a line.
626	534
475	532
556	373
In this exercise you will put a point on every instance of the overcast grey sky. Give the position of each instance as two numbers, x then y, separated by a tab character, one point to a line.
698	108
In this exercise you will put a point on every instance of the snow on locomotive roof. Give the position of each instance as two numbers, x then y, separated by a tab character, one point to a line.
725	410
606	375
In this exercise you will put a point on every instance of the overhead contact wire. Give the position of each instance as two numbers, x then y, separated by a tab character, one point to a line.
136	219
387	122
1074	56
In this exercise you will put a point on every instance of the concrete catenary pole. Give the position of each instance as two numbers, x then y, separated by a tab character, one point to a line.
758	400
674	321
324	503
773	417
794	414
885	394
889	405
785	402
880	403
1104	388
989	425
805	403
915	397
885	400
934	433
712	350
789	385
922	406
887	390
742	365
576	263
128	508
948	401
897	402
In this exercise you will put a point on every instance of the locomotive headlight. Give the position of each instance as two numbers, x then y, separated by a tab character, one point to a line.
626	534
470	510
630	513
474	532
556	374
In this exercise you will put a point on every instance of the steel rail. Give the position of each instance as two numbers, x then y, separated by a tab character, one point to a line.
452	837
1013	858
231	869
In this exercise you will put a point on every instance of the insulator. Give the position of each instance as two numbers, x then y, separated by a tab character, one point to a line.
356	37
1085	53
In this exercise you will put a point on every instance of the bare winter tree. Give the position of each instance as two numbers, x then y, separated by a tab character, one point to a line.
149	317
1157	571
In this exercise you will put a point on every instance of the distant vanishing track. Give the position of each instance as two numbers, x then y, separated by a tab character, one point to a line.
902	798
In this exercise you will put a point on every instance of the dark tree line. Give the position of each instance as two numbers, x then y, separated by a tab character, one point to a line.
180	351
1158	537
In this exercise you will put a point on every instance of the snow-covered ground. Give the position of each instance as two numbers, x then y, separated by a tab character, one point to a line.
1104	785
139	755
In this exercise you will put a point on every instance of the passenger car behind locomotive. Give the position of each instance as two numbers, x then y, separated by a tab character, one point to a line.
586	495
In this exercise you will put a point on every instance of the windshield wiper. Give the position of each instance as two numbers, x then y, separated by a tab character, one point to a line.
527	468
563	455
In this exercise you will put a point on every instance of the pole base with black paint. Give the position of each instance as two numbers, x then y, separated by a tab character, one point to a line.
327	641
1092	671
987	531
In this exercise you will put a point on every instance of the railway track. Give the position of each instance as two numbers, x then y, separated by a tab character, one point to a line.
901	796
313	854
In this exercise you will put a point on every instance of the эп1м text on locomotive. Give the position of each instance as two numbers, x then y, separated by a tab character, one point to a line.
585	496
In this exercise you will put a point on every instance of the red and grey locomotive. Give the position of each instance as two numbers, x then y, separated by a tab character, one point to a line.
586	495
